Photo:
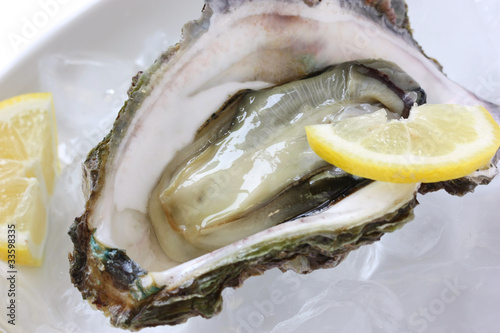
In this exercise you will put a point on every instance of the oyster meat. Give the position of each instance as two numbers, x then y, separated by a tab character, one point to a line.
206	177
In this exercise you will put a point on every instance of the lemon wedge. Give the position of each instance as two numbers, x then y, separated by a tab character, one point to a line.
28	170
437	142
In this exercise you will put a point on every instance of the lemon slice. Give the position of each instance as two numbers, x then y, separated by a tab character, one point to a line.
437	142
31	123
23	215
28	170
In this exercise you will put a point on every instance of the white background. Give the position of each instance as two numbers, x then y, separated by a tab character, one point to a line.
26	22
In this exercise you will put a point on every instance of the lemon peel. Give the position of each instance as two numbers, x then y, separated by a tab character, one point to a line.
437	142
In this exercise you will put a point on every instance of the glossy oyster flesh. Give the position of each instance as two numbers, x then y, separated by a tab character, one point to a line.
157	243
250	166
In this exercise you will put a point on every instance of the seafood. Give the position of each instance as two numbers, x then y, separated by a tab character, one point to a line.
144	258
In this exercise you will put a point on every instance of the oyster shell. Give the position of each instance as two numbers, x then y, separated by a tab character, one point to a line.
143	286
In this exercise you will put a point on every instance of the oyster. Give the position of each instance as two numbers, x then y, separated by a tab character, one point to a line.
120	261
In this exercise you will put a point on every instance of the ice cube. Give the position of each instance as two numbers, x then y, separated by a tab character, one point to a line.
88	91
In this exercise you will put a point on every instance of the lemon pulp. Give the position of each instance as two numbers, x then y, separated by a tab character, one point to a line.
28	170
437	142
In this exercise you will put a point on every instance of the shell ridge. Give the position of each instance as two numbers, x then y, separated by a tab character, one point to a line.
85	268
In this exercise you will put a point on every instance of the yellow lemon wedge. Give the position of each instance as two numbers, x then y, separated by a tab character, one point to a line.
28	170
437	142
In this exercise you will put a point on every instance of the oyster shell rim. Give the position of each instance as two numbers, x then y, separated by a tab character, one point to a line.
94	168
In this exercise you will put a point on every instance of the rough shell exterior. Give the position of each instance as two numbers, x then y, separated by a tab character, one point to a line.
109	279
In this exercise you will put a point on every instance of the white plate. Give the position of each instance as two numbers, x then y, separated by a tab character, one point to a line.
439	273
